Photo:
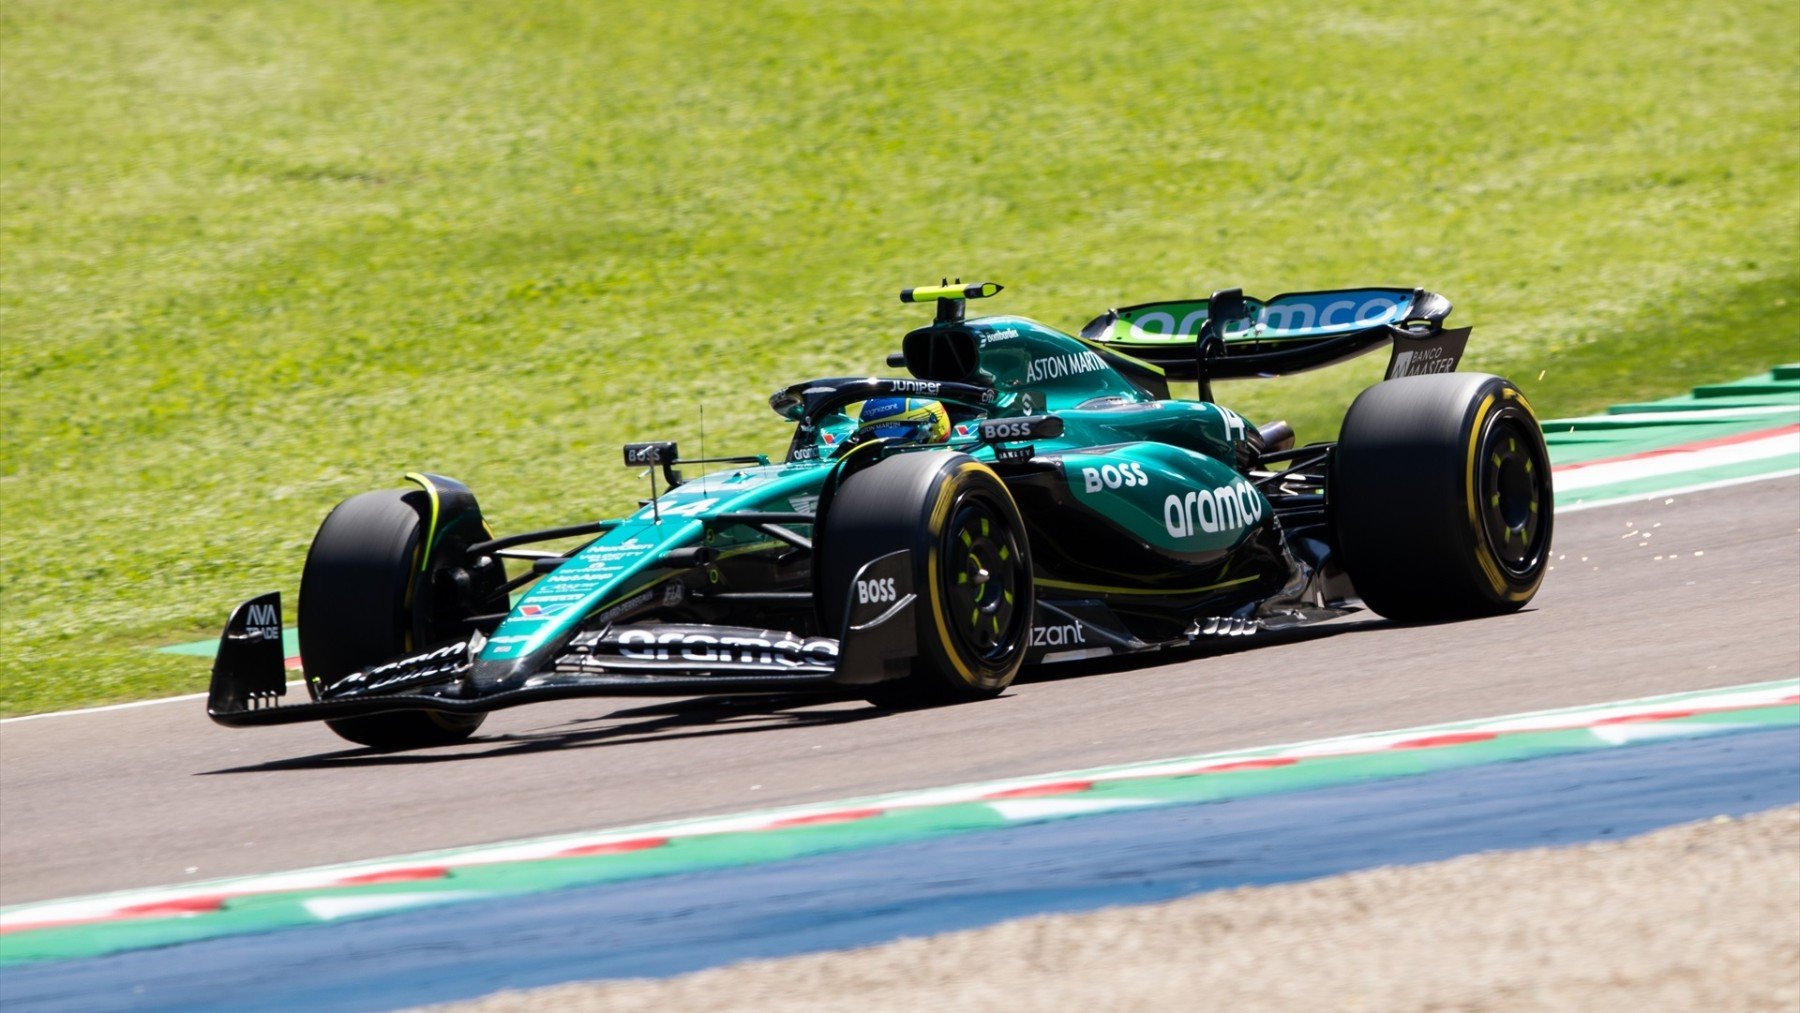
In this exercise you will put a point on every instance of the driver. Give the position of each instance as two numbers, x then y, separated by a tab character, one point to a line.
906	419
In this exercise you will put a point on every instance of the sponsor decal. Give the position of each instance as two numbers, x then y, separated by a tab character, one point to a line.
1007	429
766	649
1056	366
804	504
1424	360
673	593
415	670
1128	475
881	589
511	638
914	386
995	337
631	604
458	650
263	622
806	454
829	438
1059	635
649	453
1338	312
548	599
1165	325
1228	508
536	611
1285	315
964	431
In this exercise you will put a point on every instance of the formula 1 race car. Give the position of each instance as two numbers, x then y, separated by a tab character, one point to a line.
1022	496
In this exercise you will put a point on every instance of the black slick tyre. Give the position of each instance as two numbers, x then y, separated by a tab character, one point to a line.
971	570
1441	497
356	610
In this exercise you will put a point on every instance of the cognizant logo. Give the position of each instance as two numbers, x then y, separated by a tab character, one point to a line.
1229	508
1291	314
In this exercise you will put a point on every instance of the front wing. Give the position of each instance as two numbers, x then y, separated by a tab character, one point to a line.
876	642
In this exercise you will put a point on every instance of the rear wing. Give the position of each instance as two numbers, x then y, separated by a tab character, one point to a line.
1231	336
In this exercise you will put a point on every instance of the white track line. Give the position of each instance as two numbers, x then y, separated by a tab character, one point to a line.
1692	415
1657	464
118	706
323	877
1639	497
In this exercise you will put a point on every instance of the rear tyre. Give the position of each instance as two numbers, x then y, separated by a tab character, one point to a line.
356	610
971	570
1441	494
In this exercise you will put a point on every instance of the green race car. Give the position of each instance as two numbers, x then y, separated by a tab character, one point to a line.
1022	496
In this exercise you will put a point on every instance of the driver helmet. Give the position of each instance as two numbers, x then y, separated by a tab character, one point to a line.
906	419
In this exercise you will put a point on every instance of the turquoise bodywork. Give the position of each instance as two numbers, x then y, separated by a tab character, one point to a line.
1160	470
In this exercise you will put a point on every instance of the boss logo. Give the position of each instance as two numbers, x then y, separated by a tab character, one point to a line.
878	590
1129	475
650	453
1006	429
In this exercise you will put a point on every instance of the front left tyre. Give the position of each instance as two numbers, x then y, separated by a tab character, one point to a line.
971	568
357	608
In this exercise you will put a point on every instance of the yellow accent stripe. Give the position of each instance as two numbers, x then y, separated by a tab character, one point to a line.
1065	585
430	529
1110	349
1514	395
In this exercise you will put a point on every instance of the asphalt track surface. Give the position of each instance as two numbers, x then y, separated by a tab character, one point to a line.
158	795
660	926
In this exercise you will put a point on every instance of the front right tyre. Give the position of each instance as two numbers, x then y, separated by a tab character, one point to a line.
357	598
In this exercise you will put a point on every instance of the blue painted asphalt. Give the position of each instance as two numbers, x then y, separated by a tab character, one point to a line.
670	925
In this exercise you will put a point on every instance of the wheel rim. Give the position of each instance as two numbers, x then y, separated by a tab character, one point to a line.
983	578
1513	501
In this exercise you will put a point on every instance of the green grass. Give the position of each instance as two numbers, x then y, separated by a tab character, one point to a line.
258	257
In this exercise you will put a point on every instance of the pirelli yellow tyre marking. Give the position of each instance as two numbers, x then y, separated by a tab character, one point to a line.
1484	554
940	514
